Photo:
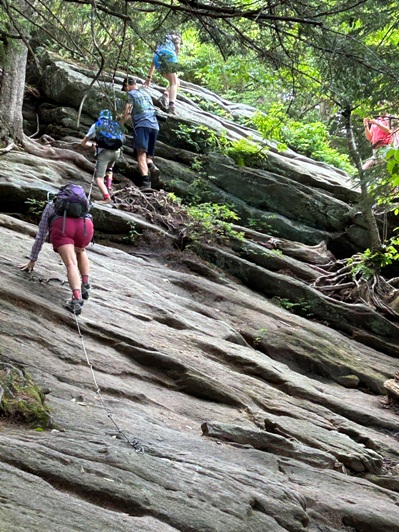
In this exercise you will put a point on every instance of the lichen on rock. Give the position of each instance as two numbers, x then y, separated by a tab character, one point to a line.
21	399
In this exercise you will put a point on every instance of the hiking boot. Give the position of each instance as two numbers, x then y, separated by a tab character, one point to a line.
145	184
172	109
74	306
154	171
85	289
164	102
107	201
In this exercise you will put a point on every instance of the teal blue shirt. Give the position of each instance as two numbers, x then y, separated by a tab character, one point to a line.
143	110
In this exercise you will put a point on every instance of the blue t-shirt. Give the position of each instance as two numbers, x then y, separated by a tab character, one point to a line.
143	111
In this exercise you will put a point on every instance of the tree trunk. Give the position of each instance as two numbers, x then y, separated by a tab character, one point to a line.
366	200
12	91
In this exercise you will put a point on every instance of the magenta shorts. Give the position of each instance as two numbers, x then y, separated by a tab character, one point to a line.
74	232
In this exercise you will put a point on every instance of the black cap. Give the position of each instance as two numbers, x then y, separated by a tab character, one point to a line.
128	81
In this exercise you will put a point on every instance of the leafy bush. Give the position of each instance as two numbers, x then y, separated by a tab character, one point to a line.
370	262
212	219
310	139
202	138
246	153
313	140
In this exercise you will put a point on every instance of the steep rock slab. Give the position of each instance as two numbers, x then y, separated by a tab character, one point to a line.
145	329
298	198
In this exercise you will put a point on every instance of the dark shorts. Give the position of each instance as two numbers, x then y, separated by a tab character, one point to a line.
74	232
145	139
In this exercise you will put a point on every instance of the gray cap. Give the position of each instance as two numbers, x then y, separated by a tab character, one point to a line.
129	81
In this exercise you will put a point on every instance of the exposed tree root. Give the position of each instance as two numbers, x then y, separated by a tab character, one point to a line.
374	291
8	148
157	208
317	255
46	148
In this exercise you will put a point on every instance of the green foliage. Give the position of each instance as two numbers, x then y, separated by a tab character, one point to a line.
22	400
213	220
260	335
310	139
392	182
210	106
247	153
35	206
202	138
171	196
130	238
300	307
313	140
270	125
199	191
197	165
370	262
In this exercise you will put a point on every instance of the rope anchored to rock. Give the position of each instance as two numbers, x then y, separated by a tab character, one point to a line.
134	443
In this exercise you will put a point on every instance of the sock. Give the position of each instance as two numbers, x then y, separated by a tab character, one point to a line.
108	180
76	294
106	196
171	104
85	279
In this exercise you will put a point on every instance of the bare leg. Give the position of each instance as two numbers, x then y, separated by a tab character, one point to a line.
108	178
68	256
83	261
101	186
173	85
141	158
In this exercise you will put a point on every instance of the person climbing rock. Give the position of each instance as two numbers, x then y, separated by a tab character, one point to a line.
71	230
142	112
166	62
108	139
379	134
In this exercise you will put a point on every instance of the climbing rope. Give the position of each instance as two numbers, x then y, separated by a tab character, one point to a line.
134	443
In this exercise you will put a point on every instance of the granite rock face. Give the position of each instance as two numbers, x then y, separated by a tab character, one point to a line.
248	417
240	430
293	196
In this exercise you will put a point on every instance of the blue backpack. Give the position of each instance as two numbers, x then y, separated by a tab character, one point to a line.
109	134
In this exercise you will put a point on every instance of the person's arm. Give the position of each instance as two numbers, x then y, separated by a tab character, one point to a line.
381	125
86	142
89	137
126	114
40	238
367	132
149	75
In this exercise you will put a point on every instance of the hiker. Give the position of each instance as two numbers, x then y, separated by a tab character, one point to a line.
379	134
145	124
108	139
69	235
166	62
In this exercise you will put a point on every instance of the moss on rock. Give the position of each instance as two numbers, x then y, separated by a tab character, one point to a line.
21	399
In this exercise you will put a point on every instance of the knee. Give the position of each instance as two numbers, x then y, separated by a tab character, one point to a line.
71	264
